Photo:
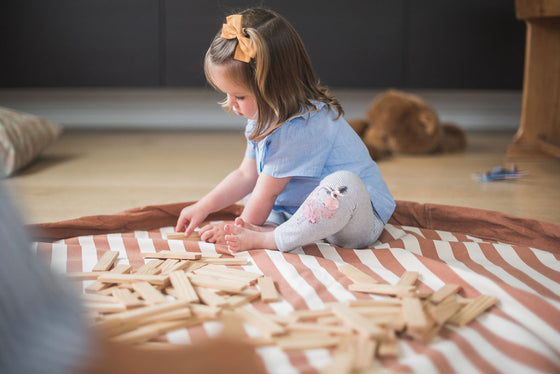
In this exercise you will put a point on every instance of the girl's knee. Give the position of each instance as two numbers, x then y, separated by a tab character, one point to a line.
344	177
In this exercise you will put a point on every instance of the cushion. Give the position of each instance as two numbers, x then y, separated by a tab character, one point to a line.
23	137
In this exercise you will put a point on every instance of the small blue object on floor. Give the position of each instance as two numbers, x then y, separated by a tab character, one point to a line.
500	173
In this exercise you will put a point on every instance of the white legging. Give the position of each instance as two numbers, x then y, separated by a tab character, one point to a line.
338	210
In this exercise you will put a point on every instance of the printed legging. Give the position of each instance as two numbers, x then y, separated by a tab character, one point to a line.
338	210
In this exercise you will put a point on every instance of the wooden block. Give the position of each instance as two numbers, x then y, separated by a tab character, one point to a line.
342	362
472	310
194	265
173	315
98	286
174	255
205	311
181	236
154	330
316	327
307	342
96	298
127	298
364	353
183	286
264	324
150	267
181	265
303	315
444	310
209	297
374	303
226	261
413	314
355	274
395	323
149	293
445	291
216	283
244	297
161	280
381	289
268	291
388	346
356	321
408	278
228	273
105	307
131	319
83	275
106	261
168	265
376	311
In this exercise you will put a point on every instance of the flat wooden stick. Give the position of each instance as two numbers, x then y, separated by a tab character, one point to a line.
444	310
472	310
266	325
226	261
381	289
355	274
149	293
216	283
168	264
127	298
307	342
175	255
83	275
356	321
150	267
408	278
161	280
181	236
413	314
364	352
98	286
106	261
268	291
183	286
445	291
228	273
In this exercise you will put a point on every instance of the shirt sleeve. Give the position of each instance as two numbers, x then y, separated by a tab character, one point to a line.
299	148
250	150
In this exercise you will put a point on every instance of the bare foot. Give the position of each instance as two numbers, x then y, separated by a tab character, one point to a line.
246	225
214	232
238	238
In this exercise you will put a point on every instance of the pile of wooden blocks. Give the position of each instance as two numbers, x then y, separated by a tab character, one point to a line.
175	290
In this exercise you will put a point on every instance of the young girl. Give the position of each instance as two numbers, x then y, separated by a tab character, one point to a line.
308	173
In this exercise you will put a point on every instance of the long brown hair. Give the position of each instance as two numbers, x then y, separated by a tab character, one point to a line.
280	76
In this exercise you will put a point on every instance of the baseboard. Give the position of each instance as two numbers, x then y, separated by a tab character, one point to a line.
197	108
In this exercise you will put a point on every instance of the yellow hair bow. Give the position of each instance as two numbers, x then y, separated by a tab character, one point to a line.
245	50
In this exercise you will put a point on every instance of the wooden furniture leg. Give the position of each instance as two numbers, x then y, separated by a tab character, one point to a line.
539	131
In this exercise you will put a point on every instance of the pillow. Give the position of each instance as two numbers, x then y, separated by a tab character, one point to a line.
22	137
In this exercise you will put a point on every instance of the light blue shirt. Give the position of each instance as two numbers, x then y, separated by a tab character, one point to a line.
310	146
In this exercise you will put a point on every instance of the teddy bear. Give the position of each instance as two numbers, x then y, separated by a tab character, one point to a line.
399	122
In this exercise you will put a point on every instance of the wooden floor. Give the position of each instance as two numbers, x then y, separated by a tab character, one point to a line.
104	172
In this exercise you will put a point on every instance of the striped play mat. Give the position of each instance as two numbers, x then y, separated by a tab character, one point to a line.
514	260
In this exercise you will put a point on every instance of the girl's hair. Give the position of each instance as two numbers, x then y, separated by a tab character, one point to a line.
280	76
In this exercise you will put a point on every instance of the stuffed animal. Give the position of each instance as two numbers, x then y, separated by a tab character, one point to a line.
398	122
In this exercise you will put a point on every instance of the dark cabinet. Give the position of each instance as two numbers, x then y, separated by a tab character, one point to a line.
460	44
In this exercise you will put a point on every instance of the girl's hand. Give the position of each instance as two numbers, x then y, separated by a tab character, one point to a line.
190	217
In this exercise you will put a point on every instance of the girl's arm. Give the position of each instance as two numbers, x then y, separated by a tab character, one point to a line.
230	190
262	199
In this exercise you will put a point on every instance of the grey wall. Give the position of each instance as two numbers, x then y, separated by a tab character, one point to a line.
459	44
